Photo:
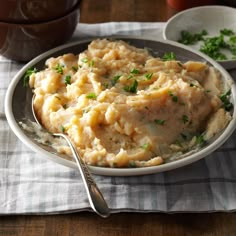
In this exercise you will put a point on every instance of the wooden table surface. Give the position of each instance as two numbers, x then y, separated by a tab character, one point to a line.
211	224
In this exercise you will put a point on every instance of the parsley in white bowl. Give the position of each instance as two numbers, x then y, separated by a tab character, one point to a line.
209	29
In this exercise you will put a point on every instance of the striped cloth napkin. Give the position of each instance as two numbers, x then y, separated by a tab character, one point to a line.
30	184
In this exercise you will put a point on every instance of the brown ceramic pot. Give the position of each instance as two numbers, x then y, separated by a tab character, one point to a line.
33	11
22	42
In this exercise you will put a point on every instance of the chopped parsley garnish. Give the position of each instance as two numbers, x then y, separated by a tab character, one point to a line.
225	98
200	139
185	119
159	122
212	46
132	88
174	97
188	38
132	164
27	75
169	56
84	60
59	68
91	96
115	79
130	77
68	80
135	71
62	128
180	64
149	76
145	146
91	63
106	85
227	32
74	68
64	106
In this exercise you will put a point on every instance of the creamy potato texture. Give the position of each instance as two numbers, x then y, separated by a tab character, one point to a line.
124	108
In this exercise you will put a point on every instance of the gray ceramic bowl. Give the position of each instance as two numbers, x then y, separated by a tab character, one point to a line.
22	42
18	95
34	11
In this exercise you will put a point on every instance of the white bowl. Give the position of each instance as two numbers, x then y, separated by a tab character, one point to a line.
194	20
17	95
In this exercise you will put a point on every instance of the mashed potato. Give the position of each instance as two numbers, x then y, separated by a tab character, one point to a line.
124	108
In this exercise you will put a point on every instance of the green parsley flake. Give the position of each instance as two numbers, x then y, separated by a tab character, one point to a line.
74	68
68	80
132	164
149	76
106	85
185	119
188	38
227	32
212	46
135	71
130	77
62	128
84	60
91	96
145	146
59	68
180	64
91	63
27	75
132	88
169	56
174	97
115	79
159	122
200	139
225	98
